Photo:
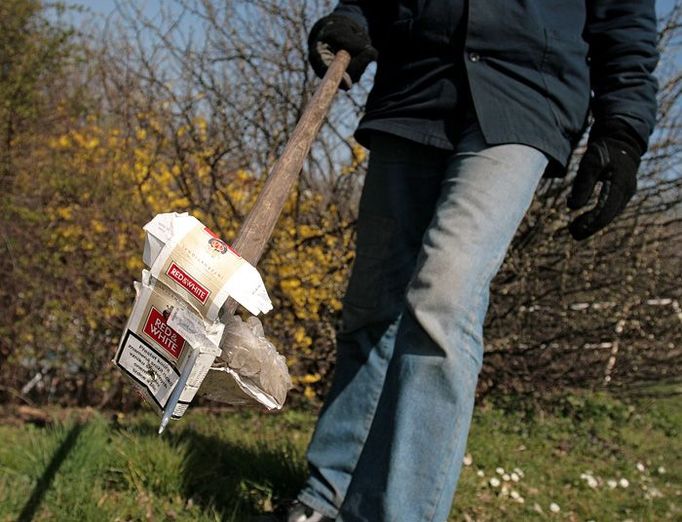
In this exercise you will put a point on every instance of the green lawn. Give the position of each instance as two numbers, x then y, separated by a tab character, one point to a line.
595	457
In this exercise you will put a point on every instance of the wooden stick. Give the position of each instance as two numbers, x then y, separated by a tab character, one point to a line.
260	222
257	228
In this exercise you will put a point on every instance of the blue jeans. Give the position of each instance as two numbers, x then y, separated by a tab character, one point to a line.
433	229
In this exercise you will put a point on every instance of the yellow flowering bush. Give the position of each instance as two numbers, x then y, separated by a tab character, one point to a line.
100	184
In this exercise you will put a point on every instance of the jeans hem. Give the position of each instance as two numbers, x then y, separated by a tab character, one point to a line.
318	505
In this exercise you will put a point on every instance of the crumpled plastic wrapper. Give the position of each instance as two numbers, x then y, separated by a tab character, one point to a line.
251	361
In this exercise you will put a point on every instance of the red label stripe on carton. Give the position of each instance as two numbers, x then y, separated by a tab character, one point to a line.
188	282
157	328
210	232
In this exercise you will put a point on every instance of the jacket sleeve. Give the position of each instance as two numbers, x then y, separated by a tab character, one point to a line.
355	9
623	55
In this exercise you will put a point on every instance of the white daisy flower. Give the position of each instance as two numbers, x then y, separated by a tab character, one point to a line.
654	493
589	478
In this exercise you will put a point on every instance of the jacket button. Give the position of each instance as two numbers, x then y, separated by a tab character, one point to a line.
474	57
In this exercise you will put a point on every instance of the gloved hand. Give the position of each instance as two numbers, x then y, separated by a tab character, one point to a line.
612	157
333	33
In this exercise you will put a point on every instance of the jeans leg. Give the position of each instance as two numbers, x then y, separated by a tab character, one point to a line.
401	189
411	460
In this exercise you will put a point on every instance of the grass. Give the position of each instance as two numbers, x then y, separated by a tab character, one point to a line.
228	466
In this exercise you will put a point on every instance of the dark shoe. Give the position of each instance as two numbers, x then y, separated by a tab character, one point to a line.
301	513
298	512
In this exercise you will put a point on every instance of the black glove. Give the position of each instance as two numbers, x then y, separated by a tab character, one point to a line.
612	157
333	33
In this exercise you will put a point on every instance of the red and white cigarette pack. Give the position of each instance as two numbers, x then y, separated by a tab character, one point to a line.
191	274
153	350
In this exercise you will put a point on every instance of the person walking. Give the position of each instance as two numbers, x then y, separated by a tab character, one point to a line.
472	104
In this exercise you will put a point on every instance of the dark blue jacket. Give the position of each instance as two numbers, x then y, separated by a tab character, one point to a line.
533	68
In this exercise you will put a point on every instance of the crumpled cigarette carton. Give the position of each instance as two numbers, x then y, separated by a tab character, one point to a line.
196	264
191	274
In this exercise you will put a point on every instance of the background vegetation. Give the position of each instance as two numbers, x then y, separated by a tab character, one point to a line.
104	124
